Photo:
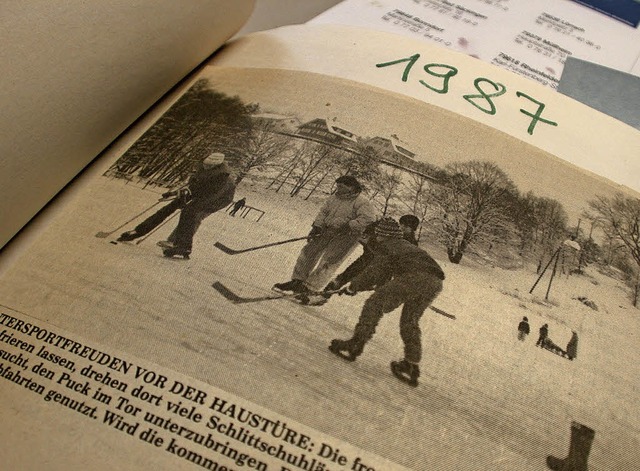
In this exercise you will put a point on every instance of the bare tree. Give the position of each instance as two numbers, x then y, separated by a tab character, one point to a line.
386	188
363	163
473	206
418	194
259	150
201	121
318	162
619	217
540	224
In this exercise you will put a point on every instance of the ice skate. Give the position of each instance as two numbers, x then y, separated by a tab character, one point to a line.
289	287
165	244
406	372
345	349
127	236
177	252
313	298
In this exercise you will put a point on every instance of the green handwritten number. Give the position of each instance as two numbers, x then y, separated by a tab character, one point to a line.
411	61
451	71
535	117
499	90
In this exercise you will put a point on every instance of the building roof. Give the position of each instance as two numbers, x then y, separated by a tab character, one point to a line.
333	127
273	116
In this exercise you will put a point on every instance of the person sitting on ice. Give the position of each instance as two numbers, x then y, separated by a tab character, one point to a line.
209	189
334	234
400	274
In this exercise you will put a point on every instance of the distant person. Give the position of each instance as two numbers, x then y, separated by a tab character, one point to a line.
572	346
334	234
409	225
238	205
523	329
544	335
209	189
400	274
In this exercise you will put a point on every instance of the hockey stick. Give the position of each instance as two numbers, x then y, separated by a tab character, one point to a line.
145	237
236	299
102	235
231	251
441	312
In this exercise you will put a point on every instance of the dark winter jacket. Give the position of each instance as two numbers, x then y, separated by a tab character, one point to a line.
394	257
411	238
544	332
358	265
523	326
211	188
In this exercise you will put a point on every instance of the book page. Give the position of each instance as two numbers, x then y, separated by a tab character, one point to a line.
532	39
76	76
139	332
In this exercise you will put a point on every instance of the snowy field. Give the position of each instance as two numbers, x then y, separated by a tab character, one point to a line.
485	401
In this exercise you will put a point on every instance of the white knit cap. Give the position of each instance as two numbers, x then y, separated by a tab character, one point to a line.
215	158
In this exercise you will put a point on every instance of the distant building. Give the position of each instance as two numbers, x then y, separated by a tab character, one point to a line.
329	132
276	122
392	150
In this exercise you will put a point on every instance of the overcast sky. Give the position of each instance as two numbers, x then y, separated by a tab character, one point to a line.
437	136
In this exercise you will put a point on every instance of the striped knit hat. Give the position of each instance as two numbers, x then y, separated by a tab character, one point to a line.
388	227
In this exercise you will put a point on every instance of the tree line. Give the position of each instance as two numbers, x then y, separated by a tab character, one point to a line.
465	206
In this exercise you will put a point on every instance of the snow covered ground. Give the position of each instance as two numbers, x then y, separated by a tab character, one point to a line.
485	402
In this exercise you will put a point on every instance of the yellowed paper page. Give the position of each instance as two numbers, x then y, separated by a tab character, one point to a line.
75	75
488	336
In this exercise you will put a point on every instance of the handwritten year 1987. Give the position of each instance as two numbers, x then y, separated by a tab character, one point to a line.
438	77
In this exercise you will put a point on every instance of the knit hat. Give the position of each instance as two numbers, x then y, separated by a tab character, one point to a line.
370	229
388	227
215	158
350	181
409	220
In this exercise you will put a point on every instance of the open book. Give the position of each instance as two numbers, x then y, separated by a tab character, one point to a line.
334	248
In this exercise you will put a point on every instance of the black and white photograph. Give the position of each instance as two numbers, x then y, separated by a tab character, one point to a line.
413	282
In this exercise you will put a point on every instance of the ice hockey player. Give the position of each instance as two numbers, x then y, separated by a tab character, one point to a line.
400	274
334	234
209	189
408	224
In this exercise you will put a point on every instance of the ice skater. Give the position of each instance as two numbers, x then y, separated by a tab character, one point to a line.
209	189
400	274
334	234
